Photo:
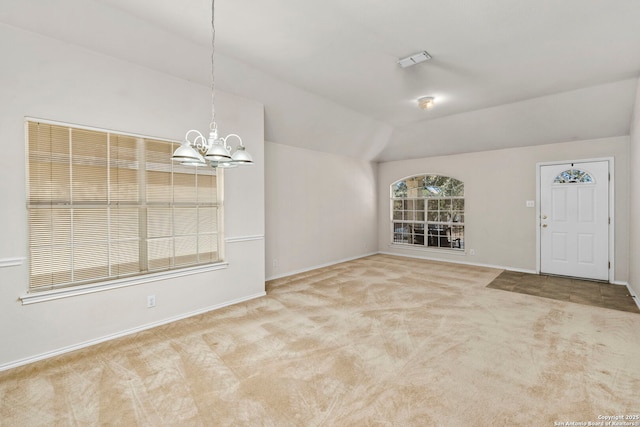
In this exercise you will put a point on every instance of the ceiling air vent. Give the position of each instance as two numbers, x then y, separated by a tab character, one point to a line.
414	59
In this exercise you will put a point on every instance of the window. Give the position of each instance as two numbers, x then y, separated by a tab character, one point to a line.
428	211
573	176
103	206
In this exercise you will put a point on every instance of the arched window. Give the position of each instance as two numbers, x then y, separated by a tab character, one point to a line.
428	211
574	176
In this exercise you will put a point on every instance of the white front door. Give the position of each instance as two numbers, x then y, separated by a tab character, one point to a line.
574	219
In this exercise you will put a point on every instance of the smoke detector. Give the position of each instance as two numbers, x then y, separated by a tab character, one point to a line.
414	59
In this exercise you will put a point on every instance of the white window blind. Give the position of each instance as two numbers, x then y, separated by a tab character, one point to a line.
103	206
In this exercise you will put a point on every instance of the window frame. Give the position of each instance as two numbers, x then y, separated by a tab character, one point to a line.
419	218
99	284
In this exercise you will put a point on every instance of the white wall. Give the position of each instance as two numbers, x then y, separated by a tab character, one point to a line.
634	215
44	78
499	227
321	208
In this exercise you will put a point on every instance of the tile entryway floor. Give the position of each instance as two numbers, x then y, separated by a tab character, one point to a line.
598	294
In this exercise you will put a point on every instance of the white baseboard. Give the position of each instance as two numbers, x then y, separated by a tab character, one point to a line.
89	343
633	294
475	264
618	282
328	264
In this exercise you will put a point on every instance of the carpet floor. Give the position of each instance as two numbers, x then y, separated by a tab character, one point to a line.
378	341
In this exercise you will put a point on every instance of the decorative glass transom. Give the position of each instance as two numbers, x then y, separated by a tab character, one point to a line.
574	176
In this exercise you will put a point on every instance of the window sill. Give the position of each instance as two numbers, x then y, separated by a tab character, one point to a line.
36	297
452	251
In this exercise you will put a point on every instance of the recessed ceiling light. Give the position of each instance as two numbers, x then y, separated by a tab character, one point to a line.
414	59
426	102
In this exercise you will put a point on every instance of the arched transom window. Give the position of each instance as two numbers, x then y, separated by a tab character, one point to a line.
428	211
574	176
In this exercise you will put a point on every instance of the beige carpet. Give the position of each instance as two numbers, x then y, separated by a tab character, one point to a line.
379	341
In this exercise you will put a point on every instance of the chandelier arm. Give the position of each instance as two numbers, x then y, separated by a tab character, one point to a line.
199	142
229	136
192	131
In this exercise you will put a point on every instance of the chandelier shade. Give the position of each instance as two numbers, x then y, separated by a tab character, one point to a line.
188	155
196	150
241	156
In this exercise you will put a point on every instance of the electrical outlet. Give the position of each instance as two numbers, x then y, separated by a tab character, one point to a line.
472	251
275	263
151	301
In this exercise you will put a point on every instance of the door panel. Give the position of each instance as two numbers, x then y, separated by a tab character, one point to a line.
586	204
559	204
574	219
559	247
586	247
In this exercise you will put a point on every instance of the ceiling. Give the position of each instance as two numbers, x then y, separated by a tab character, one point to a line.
504	73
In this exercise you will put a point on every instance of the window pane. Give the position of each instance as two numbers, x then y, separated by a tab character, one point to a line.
49	265
160	253
125	257
123	172
159	222
185	221
89	166
208	247
184	187
125	223
49	164
400	189
158	175
445	205
207	220
402	232
457	236
90	225
90	262
206	184
186	248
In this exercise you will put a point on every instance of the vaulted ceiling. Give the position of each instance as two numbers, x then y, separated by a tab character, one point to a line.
504	73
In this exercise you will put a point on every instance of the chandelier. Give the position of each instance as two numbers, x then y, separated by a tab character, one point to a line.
196	150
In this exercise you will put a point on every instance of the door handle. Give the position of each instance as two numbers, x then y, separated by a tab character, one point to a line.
544	225
544	217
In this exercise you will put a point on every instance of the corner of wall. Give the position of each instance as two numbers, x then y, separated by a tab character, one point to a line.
634	196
